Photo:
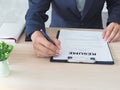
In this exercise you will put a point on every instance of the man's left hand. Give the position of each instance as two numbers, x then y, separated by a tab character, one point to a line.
112	32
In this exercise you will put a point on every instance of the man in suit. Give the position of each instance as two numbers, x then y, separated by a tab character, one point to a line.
70	14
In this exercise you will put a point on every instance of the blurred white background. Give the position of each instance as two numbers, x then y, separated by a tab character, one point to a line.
14	11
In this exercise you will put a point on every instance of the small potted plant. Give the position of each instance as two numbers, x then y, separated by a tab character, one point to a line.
5	50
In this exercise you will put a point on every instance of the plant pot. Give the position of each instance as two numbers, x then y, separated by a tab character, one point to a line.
4	68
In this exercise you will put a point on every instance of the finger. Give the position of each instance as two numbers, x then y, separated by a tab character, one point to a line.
43	51
117	37
38	38
103	33
108	31
113	33
40	46
44	42
40	54
57	42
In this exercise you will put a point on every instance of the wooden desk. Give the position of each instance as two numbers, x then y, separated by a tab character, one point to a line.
31	73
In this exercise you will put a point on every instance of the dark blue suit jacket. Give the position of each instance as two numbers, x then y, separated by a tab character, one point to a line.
66	14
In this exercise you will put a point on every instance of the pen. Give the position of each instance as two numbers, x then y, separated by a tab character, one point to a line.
47	37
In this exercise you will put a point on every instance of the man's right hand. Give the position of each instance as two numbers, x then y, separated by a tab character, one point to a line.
44	48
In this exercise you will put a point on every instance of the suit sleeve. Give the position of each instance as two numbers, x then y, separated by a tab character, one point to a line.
35	16
113	7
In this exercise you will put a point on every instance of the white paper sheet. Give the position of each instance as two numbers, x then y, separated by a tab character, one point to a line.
8	41
83	44
11	30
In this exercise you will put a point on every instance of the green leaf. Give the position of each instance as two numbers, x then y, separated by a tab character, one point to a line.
5	50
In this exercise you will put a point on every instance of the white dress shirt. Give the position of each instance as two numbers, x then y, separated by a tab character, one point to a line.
80	5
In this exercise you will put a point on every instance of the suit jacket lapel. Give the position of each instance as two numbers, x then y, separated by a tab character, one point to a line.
87	7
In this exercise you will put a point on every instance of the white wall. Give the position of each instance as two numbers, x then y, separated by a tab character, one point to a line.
49	20
12	11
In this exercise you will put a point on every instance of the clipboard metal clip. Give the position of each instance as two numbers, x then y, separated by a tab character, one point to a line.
81	59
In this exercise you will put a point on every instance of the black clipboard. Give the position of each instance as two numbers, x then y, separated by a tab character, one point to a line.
91	60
